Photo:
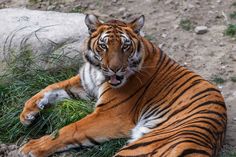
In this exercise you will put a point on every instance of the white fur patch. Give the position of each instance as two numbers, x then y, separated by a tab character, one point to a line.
70	146
144	125
91	79
138	131
51	97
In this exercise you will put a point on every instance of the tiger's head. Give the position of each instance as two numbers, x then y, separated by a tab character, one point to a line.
115	48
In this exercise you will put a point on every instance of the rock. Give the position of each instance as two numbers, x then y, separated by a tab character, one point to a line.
51	7
234	118
122	10
12	147
92	6
168	2
45	33
163	35
161	45
221	44
200	29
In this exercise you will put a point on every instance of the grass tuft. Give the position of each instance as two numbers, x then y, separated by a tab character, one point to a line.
33	1
233	15
149	37
233	78
234	4
77	9
231	30
186	24
24	79
218	80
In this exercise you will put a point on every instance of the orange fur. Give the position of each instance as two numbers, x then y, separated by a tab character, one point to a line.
193	123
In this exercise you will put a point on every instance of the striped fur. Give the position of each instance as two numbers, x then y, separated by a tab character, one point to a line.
165	109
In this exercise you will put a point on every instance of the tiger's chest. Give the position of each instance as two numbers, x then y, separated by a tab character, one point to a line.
91	79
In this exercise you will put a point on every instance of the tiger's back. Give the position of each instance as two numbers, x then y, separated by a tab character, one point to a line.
175	111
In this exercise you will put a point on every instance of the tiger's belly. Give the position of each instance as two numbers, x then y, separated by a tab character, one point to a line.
91	79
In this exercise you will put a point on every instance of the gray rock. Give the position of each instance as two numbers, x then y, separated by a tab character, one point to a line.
45	33
200	29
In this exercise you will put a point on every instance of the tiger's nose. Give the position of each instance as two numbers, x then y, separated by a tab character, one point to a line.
115	68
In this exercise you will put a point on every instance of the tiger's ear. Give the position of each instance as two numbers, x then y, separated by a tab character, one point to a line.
92	23
137	24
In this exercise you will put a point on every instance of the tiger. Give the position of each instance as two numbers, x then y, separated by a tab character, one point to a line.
162	107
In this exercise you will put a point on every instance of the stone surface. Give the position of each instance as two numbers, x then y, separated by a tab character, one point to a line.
200	29
44	33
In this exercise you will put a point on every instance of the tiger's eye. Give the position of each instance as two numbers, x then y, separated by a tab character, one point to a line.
103	46
125	46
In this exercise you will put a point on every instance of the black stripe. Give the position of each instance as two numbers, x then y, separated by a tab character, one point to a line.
189	79
91	140
90	75
87	57
190	116
135	106
139	46
103	92
183	108
83	79
71	94
174	100
147	85
161	115
126	99
194	152
204	91
151	99
143	144
102	104
159	62
223	116
220	103
174	145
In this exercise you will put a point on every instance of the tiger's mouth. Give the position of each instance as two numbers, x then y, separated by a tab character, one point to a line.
115	80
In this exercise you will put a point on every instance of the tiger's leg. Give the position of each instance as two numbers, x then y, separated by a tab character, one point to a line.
171	144
91	130
65	89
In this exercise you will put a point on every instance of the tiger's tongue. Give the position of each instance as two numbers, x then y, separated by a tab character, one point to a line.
113	80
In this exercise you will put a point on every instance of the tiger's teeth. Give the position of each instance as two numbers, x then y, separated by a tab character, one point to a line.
113	83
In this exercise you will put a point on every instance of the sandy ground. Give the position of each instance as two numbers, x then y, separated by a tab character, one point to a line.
211	54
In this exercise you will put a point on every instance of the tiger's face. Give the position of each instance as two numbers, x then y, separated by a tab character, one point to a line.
114	47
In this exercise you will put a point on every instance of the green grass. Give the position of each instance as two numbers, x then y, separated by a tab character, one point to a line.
217	79
234	4
233	15
228	154
231	30
186	24
78	9
21	82
33	1
149	37
233	78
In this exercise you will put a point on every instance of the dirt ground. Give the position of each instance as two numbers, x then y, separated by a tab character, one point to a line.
211	55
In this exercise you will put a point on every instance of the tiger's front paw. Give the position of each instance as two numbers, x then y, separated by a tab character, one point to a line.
32	108
42	147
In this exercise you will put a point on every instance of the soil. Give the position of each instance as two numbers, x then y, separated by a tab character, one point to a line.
212	54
